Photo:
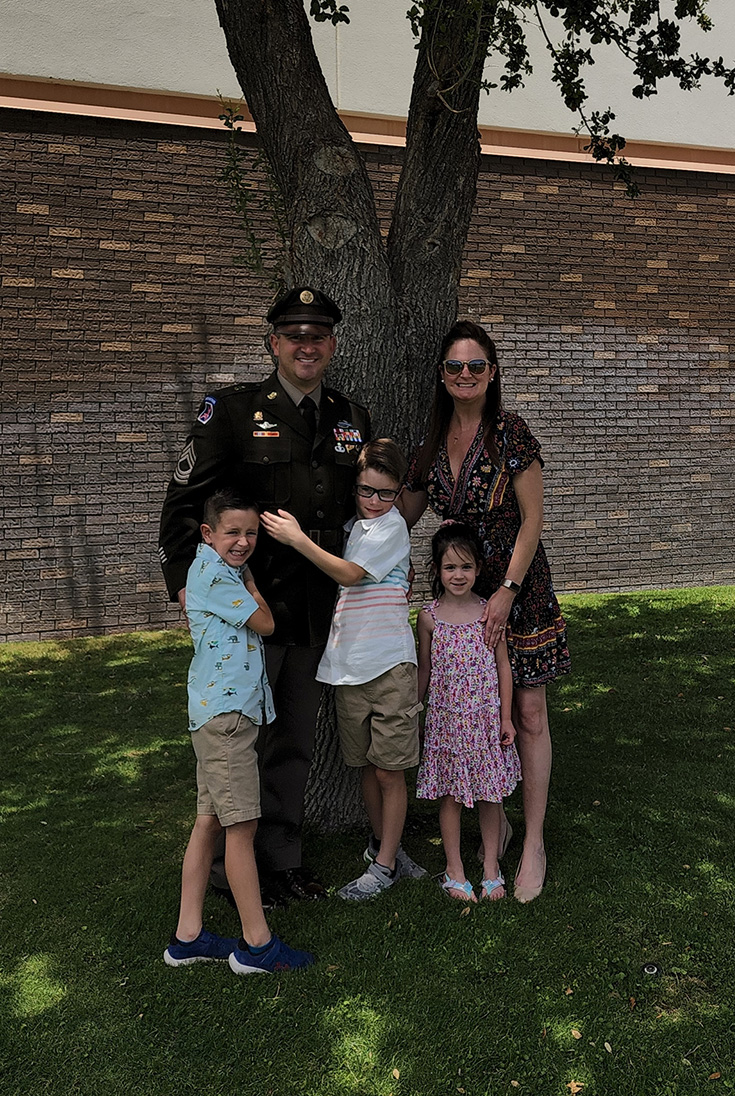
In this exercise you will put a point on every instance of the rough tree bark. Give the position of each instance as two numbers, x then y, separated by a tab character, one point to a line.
398	298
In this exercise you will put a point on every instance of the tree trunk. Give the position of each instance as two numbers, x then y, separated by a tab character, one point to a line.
398	301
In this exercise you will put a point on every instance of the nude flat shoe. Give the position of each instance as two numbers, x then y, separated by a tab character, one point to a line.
527	894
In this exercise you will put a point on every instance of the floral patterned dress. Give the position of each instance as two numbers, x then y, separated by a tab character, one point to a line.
483	496
462	752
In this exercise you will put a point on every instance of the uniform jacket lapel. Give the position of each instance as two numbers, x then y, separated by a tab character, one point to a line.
281	406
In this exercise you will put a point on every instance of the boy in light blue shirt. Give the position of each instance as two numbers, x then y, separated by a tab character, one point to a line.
229	698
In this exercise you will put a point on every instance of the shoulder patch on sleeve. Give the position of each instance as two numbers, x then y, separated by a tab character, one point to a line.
207	409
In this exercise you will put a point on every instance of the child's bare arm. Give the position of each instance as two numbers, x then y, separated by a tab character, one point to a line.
285	528
262	619
425	629
505	688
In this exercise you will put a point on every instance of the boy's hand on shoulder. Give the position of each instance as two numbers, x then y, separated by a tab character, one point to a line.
283	527
507	732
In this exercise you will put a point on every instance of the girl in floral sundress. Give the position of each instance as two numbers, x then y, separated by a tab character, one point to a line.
469	756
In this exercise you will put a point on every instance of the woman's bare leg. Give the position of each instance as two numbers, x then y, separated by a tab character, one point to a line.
531	721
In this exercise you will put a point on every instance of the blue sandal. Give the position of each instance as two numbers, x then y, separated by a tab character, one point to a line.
489	885
452	884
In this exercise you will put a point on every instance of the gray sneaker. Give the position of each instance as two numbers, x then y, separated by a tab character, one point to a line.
406	868
373	881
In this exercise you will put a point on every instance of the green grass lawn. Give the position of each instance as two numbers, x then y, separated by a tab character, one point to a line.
413	993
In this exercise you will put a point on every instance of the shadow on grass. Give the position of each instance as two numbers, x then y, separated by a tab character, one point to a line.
412	994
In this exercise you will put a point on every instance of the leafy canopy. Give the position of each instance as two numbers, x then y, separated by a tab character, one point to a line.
638	29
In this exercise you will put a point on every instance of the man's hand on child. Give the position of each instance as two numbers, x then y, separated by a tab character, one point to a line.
507	732
282	527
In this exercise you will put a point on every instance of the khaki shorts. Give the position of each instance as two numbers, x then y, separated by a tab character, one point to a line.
228	784
379	720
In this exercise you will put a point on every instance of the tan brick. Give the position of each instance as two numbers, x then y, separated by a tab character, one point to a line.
708	257
657	263
35	458
647	339
20	282
605	304
603	235
605	355
191	257
647	388
158	216
248	321
146	287
57	572
170	146
122	347
514	249
67	416
131	437
701	477
65	150
663	463
67	272
547	189
645	222
67	500
571	278
128	195
114	245
686	207
177	328
647	289
32	207
60	230
512	196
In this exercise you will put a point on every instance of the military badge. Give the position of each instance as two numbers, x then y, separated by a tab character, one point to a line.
306	296
258	416
272	395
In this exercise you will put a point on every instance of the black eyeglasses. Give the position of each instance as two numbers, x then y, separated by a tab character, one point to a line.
477	366
385	494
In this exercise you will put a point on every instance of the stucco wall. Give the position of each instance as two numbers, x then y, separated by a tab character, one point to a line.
178	45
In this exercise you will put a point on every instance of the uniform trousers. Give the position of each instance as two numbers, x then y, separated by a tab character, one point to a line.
285	750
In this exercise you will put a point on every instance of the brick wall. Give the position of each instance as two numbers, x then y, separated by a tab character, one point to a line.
122	300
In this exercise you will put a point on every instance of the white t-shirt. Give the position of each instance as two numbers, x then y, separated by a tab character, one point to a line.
370	632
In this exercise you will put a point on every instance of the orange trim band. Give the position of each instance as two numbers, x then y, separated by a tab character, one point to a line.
98	101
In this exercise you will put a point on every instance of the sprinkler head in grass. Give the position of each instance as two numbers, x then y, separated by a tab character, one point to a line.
651	970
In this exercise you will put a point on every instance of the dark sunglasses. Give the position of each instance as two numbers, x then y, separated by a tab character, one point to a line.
476	366
385	494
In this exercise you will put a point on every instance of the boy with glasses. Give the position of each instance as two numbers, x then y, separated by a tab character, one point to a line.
370	656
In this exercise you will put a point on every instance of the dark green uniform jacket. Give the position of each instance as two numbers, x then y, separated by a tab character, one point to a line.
252	438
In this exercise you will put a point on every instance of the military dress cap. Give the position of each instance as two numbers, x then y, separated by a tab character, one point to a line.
304	305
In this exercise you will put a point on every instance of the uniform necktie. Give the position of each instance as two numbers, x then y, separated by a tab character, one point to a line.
307	407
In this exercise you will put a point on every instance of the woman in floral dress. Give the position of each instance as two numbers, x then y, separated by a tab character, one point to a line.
480	464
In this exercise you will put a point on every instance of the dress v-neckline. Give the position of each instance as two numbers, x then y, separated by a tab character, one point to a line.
455	482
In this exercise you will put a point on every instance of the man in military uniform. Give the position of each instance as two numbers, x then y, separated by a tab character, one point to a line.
288	442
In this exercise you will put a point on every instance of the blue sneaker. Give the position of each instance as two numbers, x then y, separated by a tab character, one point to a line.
276	957
206	948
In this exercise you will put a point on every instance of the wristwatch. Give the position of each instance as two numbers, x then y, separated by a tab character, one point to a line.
511	585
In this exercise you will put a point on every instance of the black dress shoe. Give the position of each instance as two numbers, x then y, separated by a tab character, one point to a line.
297	884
